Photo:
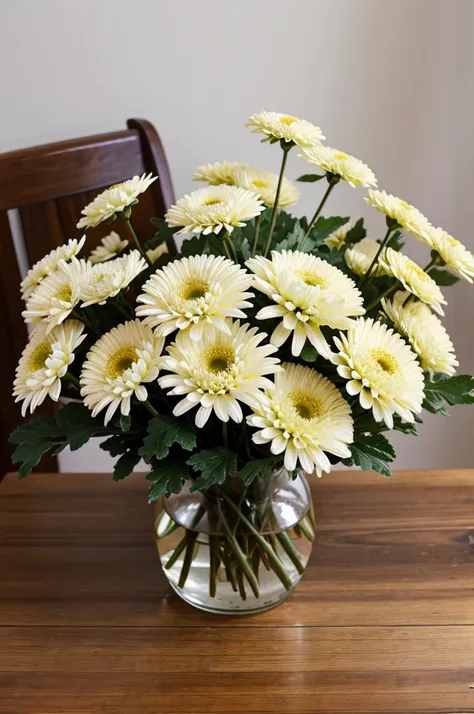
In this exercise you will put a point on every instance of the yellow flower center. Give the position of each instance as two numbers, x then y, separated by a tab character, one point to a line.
219	359
64	293
211	202
39	356
194	289
287	119
340	155
312	279
306	406
384	360
120	361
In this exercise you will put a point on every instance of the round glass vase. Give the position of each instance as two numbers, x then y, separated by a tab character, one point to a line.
234	549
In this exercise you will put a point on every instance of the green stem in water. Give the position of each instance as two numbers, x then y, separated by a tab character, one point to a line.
275	205
188	557
237	551
332	182
137	242
385	241
257	234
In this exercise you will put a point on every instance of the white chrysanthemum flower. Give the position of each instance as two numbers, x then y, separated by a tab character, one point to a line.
219	371
111	246
118	366
106	280
154	253
196	293
309	293
304	416
406	215
424	331
219	172
337	238
455	255
58	294
287	127
264	184
209	210
360	256
114	200
49	264
382	369
44	362
413	278
336	162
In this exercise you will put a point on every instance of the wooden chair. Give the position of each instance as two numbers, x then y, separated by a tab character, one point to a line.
49	185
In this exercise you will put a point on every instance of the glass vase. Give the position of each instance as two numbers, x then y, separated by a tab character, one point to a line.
234	549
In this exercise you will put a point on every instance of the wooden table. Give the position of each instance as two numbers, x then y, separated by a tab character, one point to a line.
382	622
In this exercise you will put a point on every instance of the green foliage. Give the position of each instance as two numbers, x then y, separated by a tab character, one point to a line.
168	476
165	430
258	467
164	233
371	452
367	424
126	463
310	178
443	277
322	229
214	464
125	422
356	233
441	390
396	241
309	353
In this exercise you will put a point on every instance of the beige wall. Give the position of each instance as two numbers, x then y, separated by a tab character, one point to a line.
389	81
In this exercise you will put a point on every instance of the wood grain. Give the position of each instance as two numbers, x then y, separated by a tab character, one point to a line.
382	622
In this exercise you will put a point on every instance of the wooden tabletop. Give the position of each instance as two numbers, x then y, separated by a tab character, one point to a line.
382	622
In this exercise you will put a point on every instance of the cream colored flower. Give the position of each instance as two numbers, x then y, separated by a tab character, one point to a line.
219	172
111	246
58	294
195	293
284	126
49	264
336	162
264	184
154	253
454	254
119	366
381	369
113	200
406	215
360	256
338	237
424	332
414	278
212	209
218	372
106	280
44	362
307	293
304	416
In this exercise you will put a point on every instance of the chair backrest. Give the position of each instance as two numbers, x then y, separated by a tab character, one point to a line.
48	186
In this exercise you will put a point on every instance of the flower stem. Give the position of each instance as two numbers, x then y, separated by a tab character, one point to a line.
275	205
388	291
237	551
122	310
225	439
332	183
137	242
257	234
385	241
150	408
74	380
231	252
82	317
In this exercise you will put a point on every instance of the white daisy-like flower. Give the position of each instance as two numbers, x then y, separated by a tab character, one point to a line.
336	162
304	417
49	264
212	209
406	215
119	366
360	256
381	369
413	278
195	293
44	362
337	238
113	200
308	293
424	331
154	253
106	280
219	172
264	184
456	256
58	294
284	126
111	246
218	372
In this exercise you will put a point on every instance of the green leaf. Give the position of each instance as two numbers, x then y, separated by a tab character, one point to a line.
322	229
396	241
310	178
443	277
125	464
165	430
356	233
115	445
194	246
30	455
258	467
125	422
214	464
168	476
453	390
371	452
309	353
292	239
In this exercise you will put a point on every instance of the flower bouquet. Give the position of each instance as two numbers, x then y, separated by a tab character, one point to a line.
271	347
